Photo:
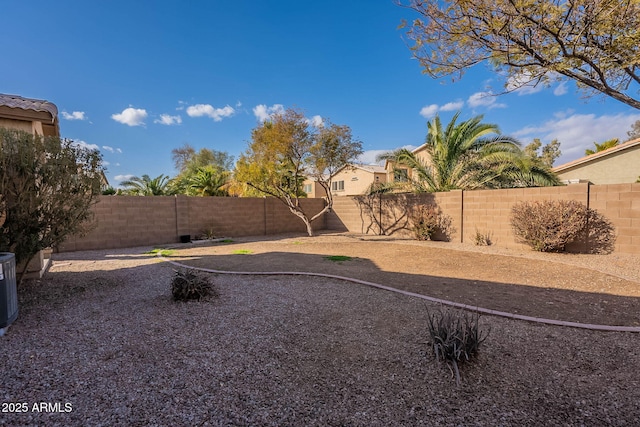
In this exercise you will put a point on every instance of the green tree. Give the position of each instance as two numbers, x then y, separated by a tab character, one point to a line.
207	181
547	155
603	146
285	150
186	159
146	186
470	155
194	166
595	43
48	186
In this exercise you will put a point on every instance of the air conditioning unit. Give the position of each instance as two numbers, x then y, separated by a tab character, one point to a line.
8	290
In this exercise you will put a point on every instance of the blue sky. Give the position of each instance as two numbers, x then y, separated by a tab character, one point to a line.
139	78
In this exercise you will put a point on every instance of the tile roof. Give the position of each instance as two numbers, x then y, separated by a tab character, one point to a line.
15	101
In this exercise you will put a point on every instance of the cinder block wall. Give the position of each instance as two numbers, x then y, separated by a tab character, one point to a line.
489	211
620	203
127	221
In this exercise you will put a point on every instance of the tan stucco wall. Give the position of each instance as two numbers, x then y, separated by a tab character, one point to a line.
22	125
618	168
357	181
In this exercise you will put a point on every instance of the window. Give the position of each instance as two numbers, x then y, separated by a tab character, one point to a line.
337	186
308	188
400	175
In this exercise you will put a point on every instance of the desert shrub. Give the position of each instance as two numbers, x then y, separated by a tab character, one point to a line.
483	239
455	337
427	221
188	284
548	226
208	233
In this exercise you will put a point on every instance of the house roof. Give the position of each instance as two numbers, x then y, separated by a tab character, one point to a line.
599	155
15	101
367	168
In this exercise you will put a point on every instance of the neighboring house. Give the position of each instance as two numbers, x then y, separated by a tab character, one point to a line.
353	180
313	188
349	180
30	115
37	117
616	165
400	173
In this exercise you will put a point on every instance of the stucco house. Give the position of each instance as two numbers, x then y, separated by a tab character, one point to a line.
616	165
37	117
349	180
353	180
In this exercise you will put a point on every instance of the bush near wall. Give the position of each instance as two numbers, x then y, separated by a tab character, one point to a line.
551	225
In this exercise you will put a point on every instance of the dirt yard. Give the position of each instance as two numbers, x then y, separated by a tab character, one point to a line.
553	286
100	342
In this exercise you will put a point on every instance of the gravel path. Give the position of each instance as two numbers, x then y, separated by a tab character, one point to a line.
100	337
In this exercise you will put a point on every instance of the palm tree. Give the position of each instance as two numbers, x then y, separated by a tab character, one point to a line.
601	147
208	181
470	155
146	186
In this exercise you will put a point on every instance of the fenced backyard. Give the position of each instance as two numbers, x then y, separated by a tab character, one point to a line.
125	221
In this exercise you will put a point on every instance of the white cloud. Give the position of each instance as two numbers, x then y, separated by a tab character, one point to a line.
262	112
121	178
577	132
484	99
75	115
83	144
369	157
524	84
452	106
131	116
111	149
217	114
561	89
166	119
105	163
429	111
316	121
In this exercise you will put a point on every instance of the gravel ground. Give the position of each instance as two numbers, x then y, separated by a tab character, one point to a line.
100	342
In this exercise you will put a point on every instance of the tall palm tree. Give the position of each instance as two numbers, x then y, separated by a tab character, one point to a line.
146	186
208	181
470	155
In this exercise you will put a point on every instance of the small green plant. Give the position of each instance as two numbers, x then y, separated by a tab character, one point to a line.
188	285
338	258
455	337
242	252
483	239
161	252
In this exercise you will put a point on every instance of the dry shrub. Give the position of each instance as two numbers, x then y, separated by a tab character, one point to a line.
483	239
549	226
455	337
428	221
188	285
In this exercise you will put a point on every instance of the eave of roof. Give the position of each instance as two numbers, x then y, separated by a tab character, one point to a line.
15	101
596	156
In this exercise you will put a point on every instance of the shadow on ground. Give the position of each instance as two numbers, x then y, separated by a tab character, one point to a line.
490	281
